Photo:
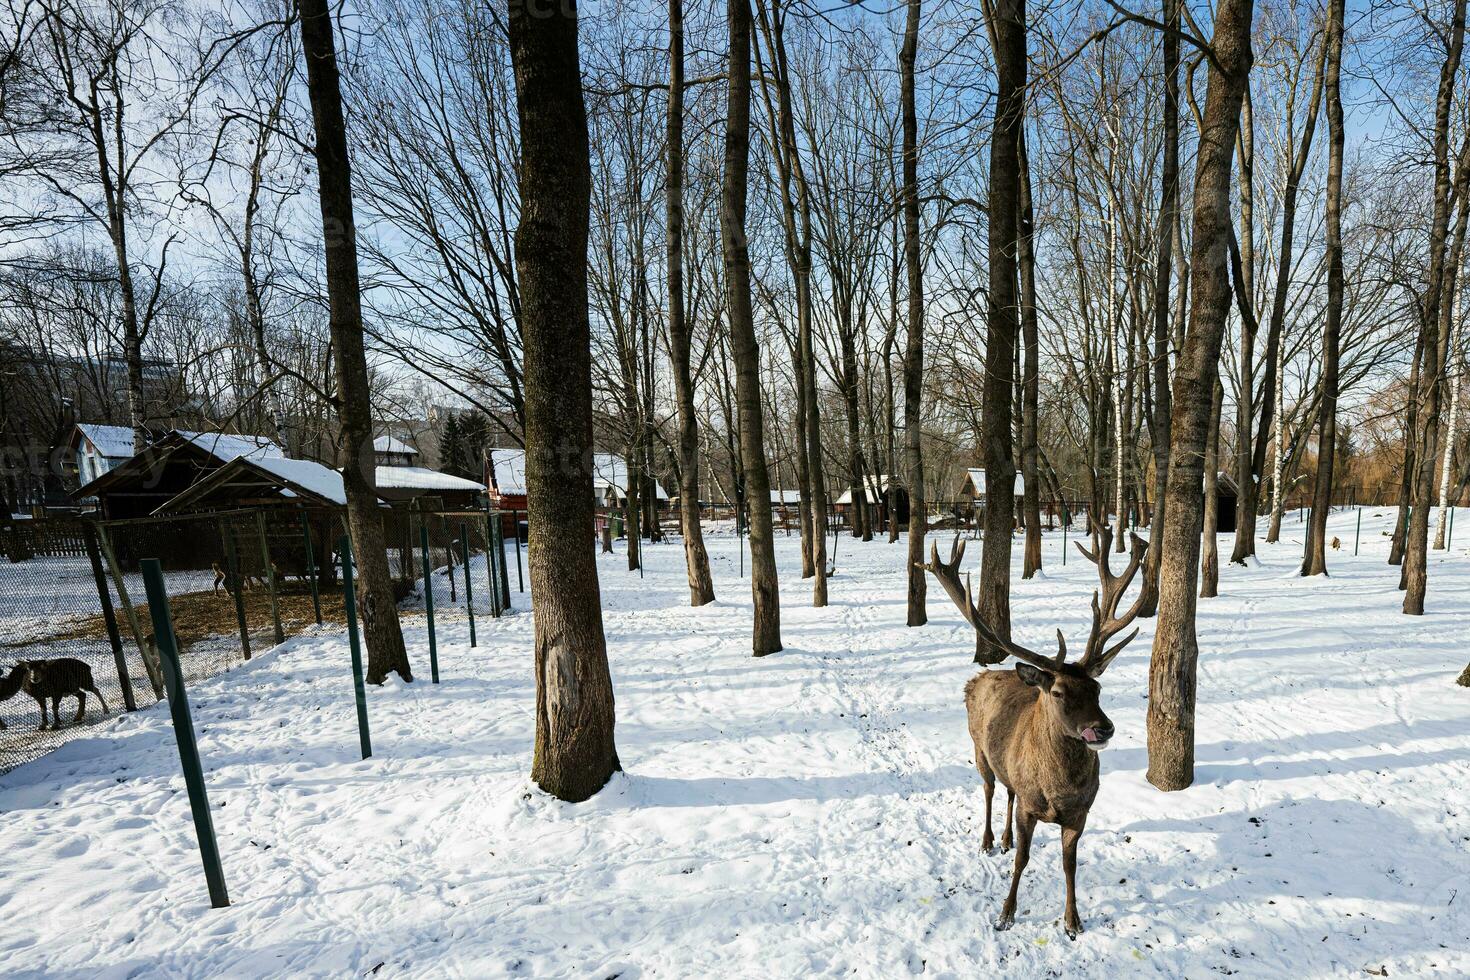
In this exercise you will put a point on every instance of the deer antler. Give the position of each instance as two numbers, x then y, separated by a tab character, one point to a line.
948	574
1106	623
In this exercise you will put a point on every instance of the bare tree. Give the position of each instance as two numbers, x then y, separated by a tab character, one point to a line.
744	346
1315	560
379	613
696	559
913	368
1176	647
575	751
1007	22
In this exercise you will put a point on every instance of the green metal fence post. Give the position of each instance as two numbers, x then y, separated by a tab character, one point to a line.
495	609
235	584
1450	531
469	592
429	600
1359	537
316	597
178	706
349	602
504	566
268	570
516	530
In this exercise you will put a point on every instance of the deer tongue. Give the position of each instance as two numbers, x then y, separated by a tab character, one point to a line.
1089	734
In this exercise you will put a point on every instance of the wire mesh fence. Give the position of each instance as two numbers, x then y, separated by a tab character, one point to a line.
73	605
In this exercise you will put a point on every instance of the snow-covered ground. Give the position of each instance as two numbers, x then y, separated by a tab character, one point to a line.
813	813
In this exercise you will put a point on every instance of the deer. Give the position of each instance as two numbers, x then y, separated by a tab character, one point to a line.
52	679
1039	728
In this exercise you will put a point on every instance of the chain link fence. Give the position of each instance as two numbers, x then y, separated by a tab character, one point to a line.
74	616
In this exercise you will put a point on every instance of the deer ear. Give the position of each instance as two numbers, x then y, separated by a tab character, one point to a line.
1034	676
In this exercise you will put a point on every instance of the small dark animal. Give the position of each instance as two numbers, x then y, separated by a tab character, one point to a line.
1038	729
1336	544
53	680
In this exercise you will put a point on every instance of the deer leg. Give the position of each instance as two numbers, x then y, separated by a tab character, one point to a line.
41	703
1005	837
1070	836
1025	824
100	698
81	706
987	843
55	712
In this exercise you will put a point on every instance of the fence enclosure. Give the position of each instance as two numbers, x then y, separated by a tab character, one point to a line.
238	583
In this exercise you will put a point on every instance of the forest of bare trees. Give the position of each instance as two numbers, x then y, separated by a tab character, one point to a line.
1152	268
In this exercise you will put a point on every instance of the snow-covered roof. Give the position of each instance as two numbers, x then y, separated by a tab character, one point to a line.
420	478
785	496
313	477
225	446
388	444
111	441
609	472
975	476
876	486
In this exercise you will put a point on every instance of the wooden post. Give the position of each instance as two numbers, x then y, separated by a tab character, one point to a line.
270	576
429	600
146	648
469	592
349	602
178	705
316	597
235	585
109	618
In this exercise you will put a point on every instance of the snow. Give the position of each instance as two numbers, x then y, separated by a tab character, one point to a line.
111	441
226	447
419	478
311	476
609	473
388	444
976	482
812	813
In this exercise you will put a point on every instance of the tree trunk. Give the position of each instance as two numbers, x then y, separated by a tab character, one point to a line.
1447	462
1030	381
745	349
913	368
696	559
1008	29
1435	327
1406	475
376	607
1315	560
575	752
1209	565
1176	649
1168	216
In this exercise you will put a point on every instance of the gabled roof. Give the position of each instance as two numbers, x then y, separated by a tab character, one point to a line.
110	441
609	472
247	477
216	446
875	485
975	478
388	444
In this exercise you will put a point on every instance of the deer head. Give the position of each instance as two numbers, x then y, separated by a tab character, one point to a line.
1069	692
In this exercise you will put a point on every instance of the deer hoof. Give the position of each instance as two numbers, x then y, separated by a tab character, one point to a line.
1006	920
1073	929
987	844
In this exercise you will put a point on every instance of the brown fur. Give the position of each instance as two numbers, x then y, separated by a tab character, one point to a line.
1026	725
52	679
1336	544
1037	729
